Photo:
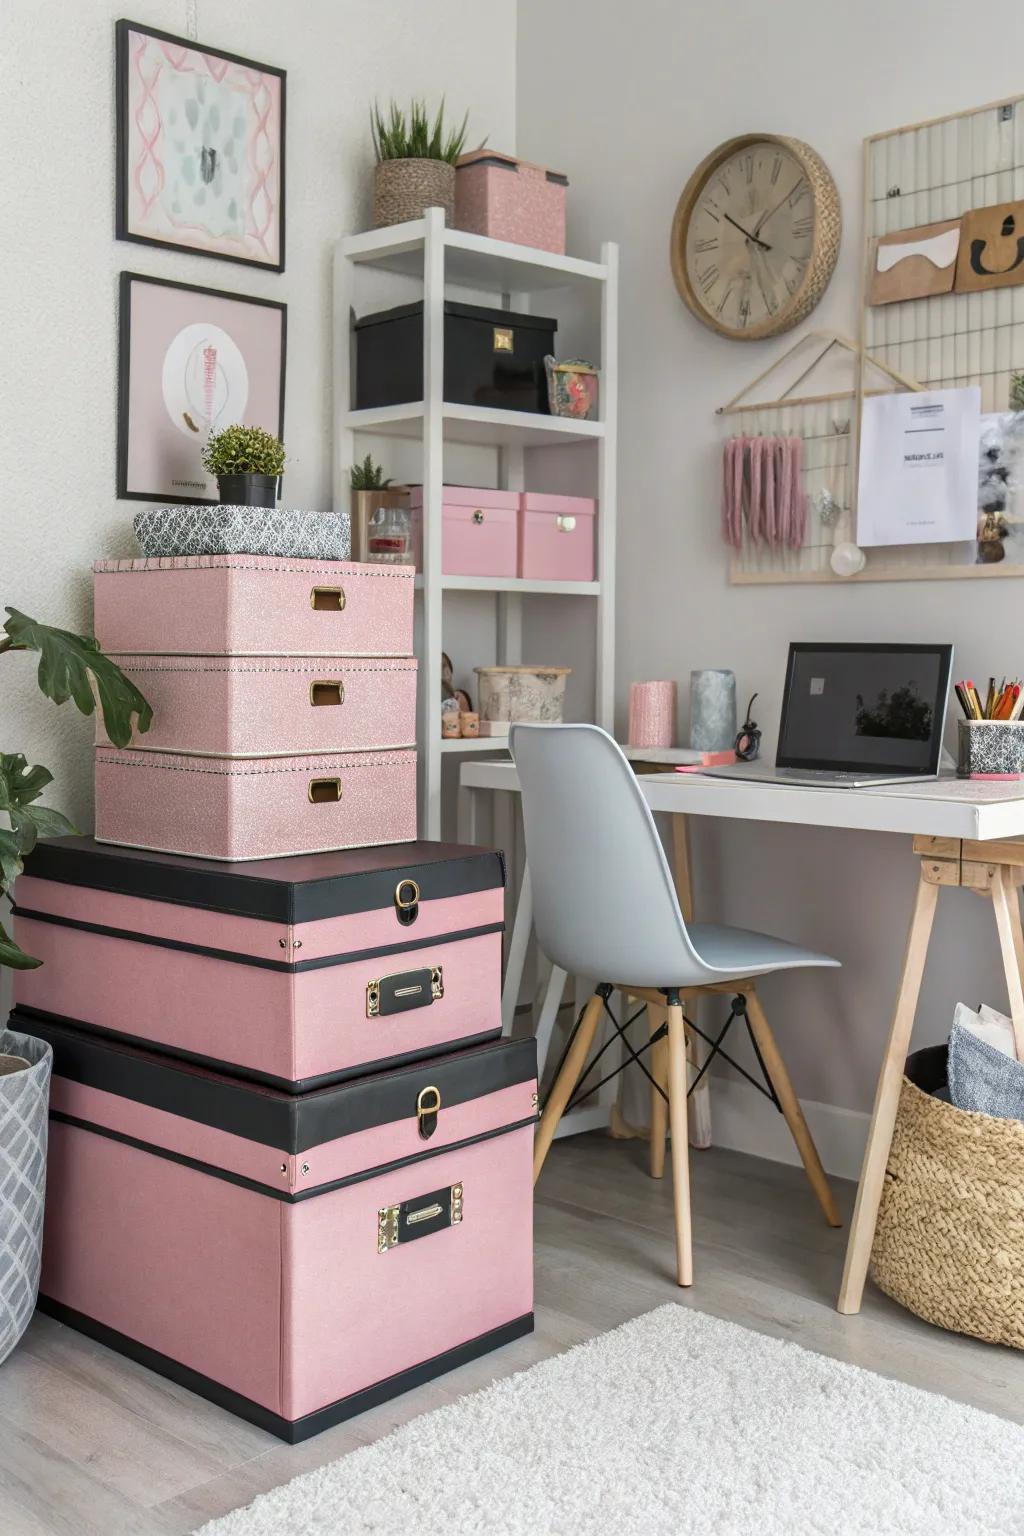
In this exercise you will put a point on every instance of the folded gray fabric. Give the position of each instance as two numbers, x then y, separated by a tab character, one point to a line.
982	1078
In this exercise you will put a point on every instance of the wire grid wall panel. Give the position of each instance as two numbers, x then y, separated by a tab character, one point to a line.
920	175
825	427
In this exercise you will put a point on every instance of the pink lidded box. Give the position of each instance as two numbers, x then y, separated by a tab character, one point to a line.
252	605
269	706
557	537
510	199
257	807
479	531
293	972
295	1259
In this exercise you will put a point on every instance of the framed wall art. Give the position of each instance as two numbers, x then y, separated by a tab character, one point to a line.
191	361
200	148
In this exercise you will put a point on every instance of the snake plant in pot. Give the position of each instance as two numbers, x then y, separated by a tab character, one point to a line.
415	163
70	667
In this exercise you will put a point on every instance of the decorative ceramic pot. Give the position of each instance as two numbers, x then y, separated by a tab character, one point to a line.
404	189
25	1065
248	490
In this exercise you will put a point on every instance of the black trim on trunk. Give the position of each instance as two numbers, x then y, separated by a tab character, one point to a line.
231	955
249	1074
299	889
286	1198
288	1122
291	1430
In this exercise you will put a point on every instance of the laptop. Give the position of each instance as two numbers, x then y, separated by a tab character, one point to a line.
857	715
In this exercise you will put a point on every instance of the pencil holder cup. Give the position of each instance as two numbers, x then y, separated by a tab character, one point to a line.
991	749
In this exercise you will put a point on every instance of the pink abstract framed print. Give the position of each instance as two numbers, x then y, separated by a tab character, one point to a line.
200	148
191	361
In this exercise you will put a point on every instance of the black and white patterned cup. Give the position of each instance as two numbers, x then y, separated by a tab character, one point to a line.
991	749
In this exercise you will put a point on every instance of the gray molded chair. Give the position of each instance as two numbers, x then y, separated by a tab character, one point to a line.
605	906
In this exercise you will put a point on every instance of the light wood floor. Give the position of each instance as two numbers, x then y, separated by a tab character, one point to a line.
93	1445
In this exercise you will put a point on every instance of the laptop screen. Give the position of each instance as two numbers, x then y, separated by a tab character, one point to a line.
864	708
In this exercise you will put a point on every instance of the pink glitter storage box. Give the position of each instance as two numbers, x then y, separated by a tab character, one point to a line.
510	199
556	537
292	971
257	807
271	706
252	605
296	1259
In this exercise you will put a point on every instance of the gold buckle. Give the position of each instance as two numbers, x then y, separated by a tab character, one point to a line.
424	1109
403	902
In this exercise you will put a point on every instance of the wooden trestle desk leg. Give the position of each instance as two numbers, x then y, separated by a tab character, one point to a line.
887	1095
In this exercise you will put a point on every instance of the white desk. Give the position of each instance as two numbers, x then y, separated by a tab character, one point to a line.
962	833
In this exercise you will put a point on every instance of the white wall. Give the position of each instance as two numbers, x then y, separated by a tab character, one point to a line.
58	299
626	99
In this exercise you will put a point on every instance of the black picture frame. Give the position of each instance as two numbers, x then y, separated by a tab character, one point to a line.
124	360
122	29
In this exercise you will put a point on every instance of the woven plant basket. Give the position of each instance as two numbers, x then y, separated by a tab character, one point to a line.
403	189
949	1244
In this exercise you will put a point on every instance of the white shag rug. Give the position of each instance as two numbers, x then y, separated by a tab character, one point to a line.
674	1423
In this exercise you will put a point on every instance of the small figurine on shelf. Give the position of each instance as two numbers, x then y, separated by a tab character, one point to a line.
748	742
456	705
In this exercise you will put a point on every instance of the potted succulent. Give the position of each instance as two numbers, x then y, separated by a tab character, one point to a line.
247	463
70	667
415	163
374	536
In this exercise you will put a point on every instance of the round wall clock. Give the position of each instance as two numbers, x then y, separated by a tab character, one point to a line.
756	236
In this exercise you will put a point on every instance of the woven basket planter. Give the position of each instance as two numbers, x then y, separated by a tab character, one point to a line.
24	1103
949	1244
404	189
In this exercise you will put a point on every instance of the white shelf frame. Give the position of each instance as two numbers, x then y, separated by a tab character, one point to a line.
443	257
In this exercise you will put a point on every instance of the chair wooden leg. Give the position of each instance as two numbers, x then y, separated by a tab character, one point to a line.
680	1144
565	1082
779	1077
659	1109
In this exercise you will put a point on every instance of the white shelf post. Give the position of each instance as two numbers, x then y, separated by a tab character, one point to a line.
604	682
429	712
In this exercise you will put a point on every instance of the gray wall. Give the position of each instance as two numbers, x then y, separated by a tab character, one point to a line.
627	99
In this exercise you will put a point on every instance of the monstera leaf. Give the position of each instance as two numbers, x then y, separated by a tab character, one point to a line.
70	666
20	788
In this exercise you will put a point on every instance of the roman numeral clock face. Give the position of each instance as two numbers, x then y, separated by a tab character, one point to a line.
756	236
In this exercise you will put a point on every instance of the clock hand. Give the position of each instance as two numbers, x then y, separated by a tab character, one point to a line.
766	216
746	232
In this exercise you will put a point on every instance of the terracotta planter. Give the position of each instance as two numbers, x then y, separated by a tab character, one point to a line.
403	189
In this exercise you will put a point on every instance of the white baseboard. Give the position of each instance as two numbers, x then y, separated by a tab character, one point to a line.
741	1118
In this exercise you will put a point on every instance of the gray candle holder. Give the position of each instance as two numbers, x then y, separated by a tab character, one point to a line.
712	710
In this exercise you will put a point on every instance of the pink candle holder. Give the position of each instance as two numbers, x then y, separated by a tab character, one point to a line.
652	714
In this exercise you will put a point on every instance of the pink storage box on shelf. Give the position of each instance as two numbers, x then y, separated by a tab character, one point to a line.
296	1260
256	807
268	706
479	531
557	537
510	199
252	605
294	972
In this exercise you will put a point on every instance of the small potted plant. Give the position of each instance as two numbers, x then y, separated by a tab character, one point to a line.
415	163
247	463
381	518
70	667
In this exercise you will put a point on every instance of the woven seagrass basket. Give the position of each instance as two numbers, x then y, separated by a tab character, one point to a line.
949	1244
404	189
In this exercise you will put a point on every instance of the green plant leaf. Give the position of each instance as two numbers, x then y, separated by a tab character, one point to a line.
243	451
10	857
69	666
20	786
12	955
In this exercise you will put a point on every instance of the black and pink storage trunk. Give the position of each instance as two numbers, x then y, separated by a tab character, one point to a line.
293	972
295	1258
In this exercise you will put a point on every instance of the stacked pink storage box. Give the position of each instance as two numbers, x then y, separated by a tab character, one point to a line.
284	698
512	533
290	1155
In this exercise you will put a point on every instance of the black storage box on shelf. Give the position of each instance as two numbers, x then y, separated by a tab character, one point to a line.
492	357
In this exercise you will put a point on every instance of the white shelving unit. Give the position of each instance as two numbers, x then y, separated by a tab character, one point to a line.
442	259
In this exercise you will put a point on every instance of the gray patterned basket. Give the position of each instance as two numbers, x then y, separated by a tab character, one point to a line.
991	749
231	530
24	1104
